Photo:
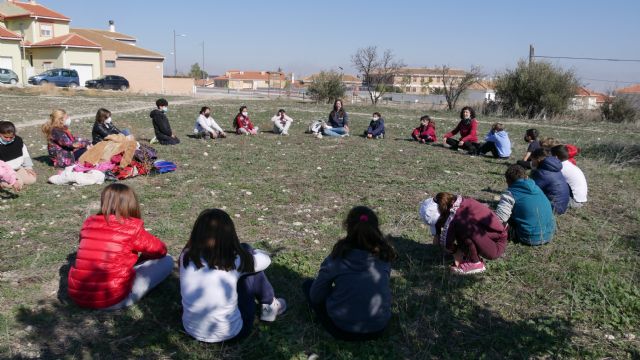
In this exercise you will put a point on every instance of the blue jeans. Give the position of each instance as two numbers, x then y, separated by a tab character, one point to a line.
250	288
336	131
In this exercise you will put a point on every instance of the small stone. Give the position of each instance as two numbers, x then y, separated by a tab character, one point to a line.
260	219
297	223
609	337
208	145
630	336
237	215
205	153
84	196
316	241
248	193
447	172
319	168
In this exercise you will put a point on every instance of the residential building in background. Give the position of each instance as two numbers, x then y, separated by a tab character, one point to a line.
422	80
251	80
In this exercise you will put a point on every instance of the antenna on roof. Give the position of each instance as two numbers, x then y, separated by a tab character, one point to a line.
112	26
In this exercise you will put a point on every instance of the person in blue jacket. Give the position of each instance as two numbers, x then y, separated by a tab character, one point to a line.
526	209
497	142
548	176
376	127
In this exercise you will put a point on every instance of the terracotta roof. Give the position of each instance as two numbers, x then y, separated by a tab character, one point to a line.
251	75
9	35
482	85
429	71
345	78
41	11
583	91
71	40
111	34
633	89
8	10
121	49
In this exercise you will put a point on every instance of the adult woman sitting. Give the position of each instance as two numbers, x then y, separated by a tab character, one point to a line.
338	123
468	129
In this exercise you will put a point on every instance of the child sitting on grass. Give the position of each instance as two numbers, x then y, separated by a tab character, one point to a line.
14	153
63	147
530	137
117	261
206	126
497	142
547	174
426	132
243	124
376	127
572	150
220	281
161	126
351	296
573	175
526	209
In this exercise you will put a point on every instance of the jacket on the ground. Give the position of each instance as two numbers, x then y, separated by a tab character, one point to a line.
528	211
426	132
101	131
376	128
548	176
468	132
355	290
103	272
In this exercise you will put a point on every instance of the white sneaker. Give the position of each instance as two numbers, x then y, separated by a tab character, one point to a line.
277	307
319	135
154	140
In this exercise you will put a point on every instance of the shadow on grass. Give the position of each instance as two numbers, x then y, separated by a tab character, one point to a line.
44	159
7	195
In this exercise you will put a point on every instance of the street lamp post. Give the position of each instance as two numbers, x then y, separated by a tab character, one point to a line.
175	57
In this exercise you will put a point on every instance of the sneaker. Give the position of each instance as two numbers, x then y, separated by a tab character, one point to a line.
284	133
319	135
269	312
468	268
154	140
345	135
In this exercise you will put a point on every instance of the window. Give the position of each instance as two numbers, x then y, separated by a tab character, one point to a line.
109	63
46	30
66	73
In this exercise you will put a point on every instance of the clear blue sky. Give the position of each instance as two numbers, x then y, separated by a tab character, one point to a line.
306	36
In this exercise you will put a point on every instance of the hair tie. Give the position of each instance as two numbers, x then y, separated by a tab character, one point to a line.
364	218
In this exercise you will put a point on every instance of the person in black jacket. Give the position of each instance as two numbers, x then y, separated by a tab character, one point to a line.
164	134
103	126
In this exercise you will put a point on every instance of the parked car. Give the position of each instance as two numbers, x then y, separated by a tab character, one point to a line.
57	77
114	82
7	76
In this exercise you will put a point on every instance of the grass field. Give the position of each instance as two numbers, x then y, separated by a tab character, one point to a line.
577	297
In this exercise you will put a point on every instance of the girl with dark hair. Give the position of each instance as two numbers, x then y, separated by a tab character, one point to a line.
103	126
351	296
206	126
338	123
220	281
469	230
243	124
426	132
14	153
118	261
468	129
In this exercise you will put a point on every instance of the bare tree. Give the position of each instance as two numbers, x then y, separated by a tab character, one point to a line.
377	70
454	86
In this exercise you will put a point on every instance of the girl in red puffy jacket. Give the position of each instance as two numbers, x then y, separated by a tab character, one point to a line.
426	132
117	261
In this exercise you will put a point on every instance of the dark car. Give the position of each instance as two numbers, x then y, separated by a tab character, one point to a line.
7	76
57	77
114	82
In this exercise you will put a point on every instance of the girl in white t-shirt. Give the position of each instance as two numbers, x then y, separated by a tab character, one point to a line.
220	281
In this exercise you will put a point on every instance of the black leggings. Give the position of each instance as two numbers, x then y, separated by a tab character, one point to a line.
321	314
468	145
524	164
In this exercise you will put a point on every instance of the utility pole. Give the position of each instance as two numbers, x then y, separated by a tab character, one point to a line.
531	53
175	63
203	77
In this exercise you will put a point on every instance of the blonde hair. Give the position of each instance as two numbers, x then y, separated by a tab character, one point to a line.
119	200
56	121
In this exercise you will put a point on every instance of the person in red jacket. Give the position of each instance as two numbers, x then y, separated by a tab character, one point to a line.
468	129
426	132
117	261
470	231
243	124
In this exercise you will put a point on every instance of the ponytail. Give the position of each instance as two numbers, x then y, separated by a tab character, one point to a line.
363	233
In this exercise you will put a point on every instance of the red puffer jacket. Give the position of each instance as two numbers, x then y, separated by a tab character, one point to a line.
103	273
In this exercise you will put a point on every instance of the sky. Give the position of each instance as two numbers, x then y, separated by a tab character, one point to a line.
304	37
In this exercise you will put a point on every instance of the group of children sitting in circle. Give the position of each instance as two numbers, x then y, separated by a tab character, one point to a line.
222	281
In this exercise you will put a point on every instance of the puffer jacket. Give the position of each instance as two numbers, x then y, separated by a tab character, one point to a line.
103	273
549	178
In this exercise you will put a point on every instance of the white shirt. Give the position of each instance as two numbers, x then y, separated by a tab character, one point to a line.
276	119
21	161
210	299
576	180
206	124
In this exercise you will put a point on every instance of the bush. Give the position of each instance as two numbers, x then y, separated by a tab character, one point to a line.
327	86
618	111
536	89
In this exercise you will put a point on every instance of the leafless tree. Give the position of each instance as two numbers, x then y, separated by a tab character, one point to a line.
454	86
377	70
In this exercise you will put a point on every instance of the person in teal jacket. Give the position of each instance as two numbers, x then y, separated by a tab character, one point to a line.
526	209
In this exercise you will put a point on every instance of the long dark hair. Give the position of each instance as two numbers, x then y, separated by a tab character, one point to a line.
363	233
203	109
335	108
473	113
214	240
102	115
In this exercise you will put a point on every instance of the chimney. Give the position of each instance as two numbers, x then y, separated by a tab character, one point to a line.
112	26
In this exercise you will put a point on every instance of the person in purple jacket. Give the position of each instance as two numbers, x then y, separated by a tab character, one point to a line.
376	127
468	230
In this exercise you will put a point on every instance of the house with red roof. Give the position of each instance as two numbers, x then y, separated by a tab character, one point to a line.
46	42
586	99
251	80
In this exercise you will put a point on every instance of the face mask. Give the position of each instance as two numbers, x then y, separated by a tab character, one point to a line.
375	118
67	122
165	109
207	115
245	114
108	121
5	142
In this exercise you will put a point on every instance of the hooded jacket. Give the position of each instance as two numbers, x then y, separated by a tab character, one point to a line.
549	178
161	125
528	211
103	272
427	132
355	290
